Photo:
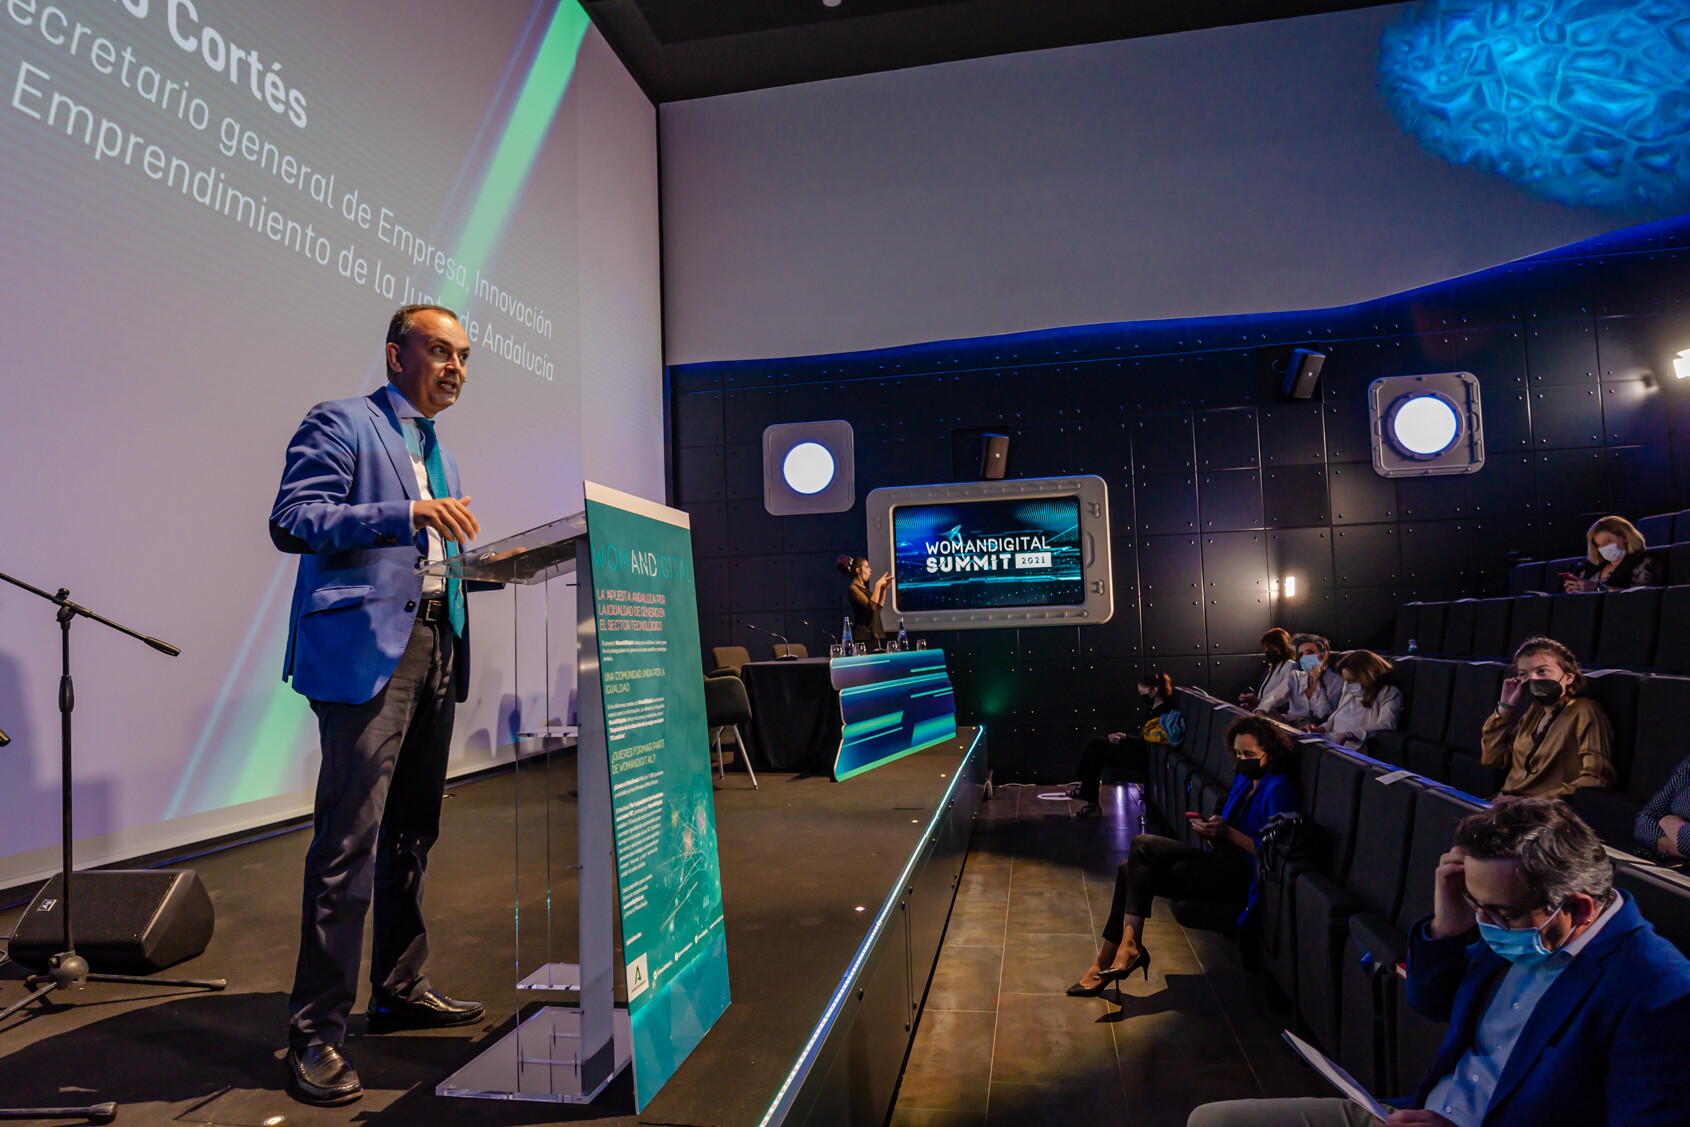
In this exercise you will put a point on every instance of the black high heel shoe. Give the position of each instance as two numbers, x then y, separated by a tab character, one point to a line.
1079	991
1140	960
1089	810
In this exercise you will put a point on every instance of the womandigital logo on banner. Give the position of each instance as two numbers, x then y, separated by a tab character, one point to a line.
981	554
651	673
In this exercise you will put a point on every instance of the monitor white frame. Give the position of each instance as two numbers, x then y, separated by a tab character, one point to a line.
1093	495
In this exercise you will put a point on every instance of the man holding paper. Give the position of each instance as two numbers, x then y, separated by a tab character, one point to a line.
1563	1004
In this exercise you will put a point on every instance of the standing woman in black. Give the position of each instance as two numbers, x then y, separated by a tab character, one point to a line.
866	600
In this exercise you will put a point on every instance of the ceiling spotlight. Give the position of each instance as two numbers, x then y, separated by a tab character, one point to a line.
830	3
1681	364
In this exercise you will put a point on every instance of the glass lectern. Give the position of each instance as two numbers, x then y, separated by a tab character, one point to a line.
558	1053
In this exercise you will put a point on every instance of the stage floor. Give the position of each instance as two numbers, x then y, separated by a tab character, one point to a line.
806	863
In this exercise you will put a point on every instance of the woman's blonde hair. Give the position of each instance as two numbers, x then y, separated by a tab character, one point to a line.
1620	527
1371	672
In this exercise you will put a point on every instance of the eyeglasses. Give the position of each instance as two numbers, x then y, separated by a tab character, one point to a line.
1508	919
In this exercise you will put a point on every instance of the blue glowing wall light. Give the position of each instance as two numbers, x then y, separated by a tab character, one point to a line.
1584	102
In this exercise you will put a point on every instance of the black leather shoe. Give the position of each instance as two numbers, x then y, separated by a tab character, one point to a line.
432	1010
318	1074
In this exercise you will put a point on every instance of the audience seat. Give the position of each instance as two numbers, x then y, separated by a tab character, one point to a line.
1431	626
1413	1039
1322	906
1663	897
1678	564
1529	618
1490	629
1458	628
1657	529
1681	525
1663	718
1672	643
1630	620
1477	686
1407	628
1525	578
1284	953
1427	712
1574	621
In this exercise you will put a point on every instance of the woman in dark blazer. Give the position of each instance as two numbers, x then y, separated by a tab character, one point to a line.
1224	873
866	599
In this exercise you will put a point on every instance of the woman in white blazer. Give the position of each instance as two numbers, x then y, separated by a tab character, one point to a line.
1370	702
1281	664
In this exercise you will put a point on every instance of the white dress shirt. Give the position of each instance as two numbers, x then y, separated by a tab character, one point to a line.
1355	722
434	586
1293	694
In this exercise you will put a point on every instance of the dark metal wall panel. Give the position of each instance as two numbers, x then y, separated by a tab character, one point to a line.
1217	485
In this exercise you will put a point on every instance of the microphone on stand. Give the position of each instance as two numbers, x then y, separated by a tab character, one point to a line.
829	635
789	655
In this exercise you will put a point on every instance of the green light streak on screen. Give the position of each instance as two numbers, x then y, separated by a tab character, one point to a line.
272	747
525	132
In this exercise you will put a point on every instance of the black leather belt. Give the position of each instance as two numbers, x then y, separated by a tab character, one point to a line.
432	610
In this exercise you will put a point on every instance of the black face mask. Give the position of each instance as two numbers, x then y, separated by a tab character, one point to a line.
1252	769
1545	692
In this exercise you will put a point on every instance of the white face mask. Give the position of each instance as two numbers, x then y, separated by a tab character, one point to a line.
1613	553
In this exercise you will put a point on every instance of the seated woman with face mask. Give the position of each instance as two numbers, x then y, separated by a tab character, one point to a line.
1310	694
1281	667
1370	701
1614	560
1222	873
1550	740
1164	724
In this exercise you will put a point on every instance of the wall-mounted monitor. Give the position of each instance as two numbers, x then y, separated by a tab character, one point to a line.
972	555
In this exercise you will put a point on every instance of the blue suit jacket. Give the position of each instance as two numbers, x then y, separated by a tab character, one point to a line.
1606	1044
345	506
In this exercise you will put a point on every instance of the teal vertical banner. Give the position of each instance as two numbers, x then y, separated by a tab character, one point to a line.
670	880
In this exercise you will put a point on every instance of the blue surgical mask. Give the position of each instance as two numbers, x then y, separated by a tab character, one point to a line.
1524	947
1308	661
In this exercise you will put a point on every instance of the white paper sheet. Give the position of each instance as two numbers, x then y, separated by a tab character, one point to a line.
1340	1079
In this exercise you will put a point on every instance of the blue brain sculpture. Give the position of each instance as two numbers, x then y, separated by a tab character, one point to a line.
1586	102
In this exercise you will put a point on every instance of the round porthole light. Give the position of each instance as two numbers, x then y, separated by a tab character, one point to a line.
1423	426
808	468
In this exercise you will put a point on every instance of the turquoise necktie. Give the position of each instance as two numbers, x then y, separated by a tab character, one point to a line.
436	467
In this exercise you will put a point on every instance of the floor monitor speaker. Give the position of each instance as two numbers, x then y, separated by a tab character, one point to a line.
126	921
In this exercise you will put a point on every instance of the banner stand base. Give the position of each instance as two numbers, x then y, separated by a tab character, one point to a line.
539	1060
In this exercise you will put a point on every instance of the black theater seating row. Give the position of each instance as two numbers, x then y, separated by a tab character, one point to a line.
1445	709
1646	628
1331	936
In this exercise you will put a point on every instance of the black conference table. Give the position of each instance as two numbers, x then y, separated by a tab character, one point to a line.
794	715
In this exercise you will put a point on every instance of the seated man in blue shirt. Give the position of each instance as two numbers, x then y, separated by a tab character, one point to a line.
1563	1004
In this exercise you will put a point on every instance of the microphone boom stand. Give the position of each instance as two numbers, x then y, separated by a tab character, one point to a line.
67	970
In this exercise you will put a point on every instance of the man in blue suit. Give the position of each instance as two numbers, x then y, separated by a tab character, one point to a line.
382	652
1563	1004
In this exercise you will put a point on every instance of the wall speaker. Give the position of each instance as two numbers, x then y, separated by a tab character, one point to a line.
1302	371
126	921
994	456
809	468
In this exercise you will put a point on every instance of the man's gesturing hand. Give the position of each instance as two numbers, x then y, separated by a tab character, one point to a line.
1451	915
448	516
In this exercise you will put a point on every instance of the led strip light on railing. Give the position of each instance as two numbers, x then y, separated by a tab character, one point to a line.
788	1089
